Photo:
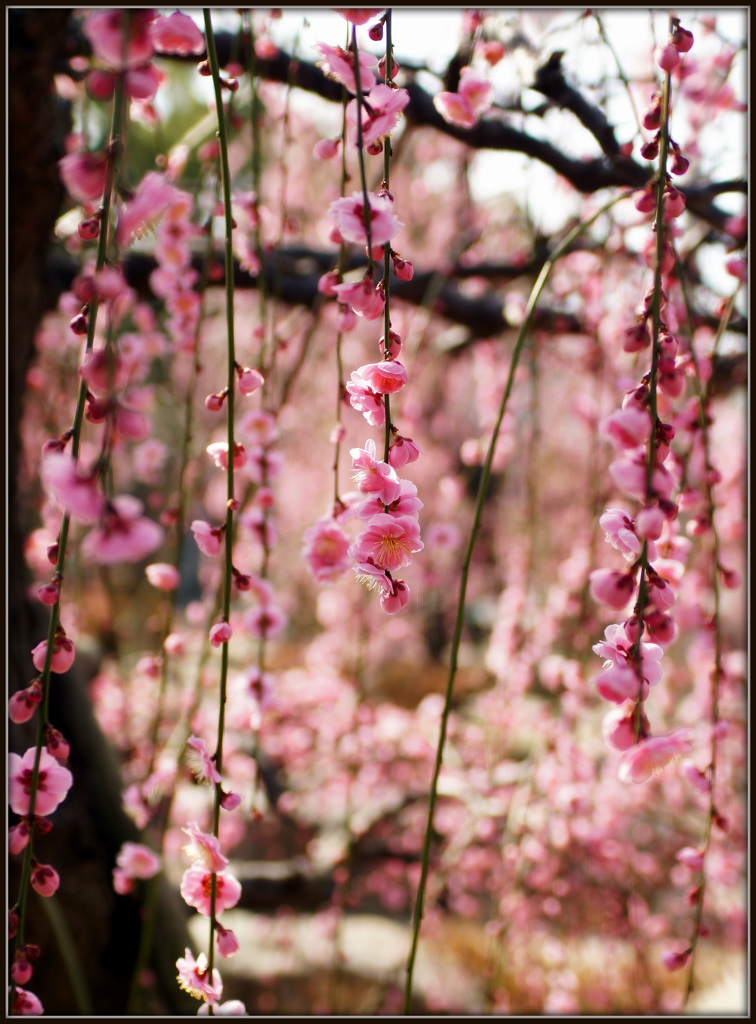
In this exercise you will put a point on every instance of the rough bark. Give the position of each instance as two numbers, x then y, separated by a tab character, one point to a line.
89	826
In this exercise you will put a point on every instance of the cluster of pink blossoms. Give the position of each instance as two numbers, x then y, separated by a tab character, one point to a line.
208	862
644	471
387	506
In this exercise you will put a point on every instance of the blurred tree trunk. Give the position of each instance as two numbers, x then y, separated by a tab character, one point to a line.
90	825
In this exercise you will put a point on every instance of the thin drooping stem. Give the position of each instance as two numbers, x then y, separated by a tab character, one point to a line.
652	387
115	146
230	521
465	572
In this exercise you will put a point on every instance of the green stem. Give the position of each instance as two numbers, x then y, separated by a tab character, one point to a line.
75	433
231	356
69	953
477	515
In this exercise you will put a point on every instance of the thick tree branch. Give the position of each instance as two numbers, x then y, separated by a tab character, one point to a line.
612	170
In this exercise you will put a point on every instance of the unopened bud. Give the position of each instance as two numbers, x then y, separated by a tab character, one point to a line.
79	324
89	229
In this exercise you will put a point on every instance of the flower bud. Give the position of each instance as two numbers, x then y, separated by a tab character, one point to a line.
44	879
89	229
56	743
667	57
79	324
682	39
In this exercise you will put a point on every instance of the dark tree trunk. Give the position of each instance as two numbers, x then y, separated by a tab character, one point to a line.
90	826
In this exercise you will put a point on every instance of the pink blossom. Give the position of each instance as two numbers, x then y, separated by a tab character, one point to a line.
394	600
18	837
476	91
619	724
385	378
617	683
373	476
366	300
365	400
674	960
193	978
176	34
659	592
77	492
204	849
626	428
143	82
21	970
692	858
379	120
388	542
404	271
104	30
652	755
84	175
339	65
63	656
23	703
667	57
220	633
50	593
455	109
104	371
442	536
491	51
56	743
163	575
265	623
682	39
326	149
44	879
201	764
649	523
617	645
258	428
372	576
611	588
229	801
219	452
690	771
175	644
53	782
26	1004
122	883
348	212
137	861
620	533
407	504
249	380
264	464
260	526
403	452
195	889
346	319
209	538
325	550
630	476
153	196
123	535
228	944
